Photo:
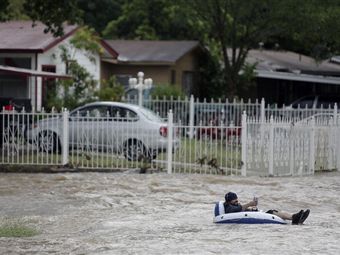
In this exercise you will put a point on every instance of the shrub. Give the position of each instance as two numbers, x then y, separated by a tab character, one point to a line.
167	91
111	90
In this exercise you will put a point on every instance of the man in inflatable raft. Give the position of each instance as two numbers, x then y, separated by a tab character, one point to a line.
231	205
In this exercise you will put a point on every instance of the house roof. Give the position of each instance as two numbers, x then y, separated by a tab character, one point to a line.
269	60
161	52
20	36
298	77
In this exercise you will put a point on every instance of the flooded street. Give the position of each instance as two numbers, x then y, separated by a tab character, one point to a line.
129	213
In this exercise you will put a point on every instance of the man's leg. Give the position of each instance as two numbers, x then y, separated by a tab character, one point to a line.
304	216
295	218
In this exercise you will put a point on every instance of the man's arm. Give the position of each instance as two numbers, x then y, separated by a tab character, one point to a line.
233	208
251	203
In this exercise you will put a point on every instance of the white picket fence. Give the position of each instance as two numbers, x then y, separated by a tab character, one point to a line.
190	111
292	148
253	145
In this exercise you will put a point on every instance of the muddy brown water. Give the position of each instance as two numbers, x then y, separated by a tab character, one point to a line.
130	213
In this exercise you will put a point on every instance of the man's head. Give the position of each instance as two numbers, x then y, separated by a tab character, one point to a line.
231	198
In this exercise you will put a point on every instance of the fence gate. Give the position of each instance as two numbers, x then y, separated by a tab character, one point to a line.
280	148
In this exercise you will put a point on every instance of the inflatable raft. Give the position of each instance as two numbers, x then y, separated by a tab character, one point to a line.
246	217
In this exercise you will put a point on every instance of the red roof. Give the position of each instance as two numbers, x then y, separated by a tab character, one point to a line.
20	36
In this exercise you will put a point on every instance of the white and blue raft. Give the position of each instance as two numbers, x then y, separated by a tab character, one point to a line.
245	217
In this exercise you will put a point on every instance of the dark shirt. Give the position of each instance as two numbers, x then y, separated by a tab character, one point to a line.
232	208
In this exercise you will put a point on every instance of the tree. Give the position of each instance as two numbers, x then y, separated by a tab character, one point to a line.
150	20
53	13
97	14
110	91
231	28
76	91
81	88
315	31
3	10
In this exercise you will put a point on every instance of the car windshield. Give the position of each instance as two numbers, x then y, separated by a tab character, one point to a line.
150	115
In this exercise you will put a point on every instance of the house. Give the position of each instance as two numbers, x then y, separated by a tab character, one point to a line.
30	59
284	76
166	62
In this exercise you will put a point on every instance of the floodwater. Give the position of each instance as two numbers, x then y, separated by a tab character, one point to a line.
130	213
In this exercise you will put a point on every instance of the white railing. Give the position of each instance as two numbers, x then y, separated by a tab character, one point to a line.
191	111
256	146
281	147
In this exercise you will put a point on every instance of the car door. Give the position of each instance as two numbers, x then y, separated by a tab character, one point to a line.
86	127
121	127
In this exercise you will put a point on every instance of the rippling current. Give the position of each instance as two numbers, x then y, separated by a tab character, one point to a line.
129	213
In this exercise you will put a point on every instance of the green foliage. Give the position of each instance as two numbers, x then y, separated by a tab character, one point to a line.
211	83
97	14
15	228
76	91
85	39
3	10
231	28
150	20
17	231
53	13
167	91
309	27
15	10
81	88
247	81
111	90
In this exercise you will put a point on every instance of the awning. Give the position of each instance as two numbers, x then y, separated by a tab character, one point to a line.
29	72
297	77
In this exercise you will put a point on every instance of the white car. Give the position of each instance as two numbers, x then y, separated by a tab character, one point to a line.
106	126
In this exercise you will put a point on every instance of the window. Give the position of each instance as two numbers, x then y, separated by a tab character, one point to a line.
14	85
123	114
188	82
304	102
123	79
92	111
327	101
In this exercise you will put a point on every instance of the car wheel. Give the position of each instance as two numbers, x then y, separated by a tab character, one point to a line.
134	150
48	141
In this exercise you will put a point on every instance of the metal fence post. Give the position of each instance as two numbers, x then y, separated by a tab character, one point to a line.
170	141
312	147
291	148
337	137
65	143
262	120
271	147
262	113
244	144
191	116
337	152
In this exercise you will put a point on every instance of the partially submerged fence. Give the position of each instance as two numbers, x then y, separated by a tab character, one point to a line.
256	146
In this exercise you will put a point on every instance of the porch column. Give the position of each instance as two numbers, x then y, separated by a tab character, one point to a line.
39	93
33	94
